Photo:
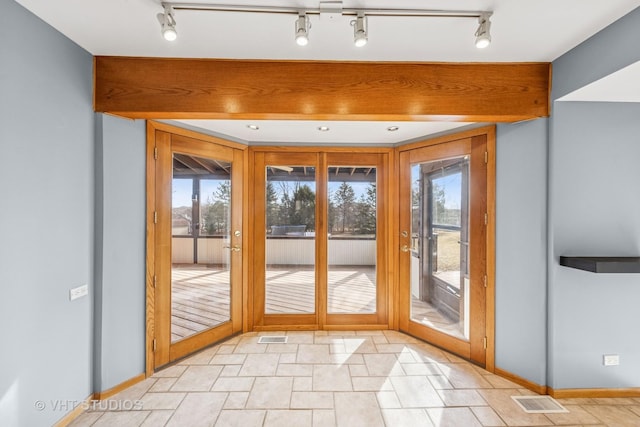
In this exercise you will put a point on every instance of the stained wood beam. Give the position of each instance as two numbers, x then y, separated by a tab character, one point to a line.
161	88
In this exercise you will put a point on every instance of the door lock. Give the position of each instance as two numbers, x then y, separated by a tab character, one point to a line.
404	248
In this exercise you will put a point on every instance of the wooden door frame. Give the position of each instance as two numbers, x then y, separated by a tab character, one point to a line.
156	132
488	133
383	157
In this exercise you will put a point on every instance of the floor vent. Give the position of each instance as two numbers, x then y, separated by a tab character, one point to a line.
272	340
539	404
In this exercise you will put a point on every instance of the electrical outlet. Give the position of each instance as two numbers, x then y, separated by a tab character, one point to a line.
610	359
78	292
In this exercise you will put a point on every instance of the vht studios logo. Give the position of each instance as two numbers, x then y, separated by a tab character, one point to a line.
89	405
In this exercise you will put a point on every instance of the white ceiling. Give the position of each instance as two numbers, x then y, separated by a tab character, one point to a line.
522	31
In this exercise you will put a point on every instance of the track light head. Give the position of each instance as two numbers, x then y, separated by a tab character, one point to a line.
360	30
483	33
302	30
168	24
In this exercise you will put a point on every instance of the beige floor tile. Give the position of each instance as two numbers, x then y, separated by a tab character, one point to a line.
236	400
298	337
244	418
163	384
347	359
151	401
440	382
487	416
197	378
388	400
499	382
226	349
576	415
134	392
613	415
380	339
461	398
270	393
201	358
423	352
406	417
635	409
228	359
462	375
358	371
613	401
383	365
198	409
501	402
342	333
371	384
288	357
302	383
421	369
328	339
576	401
359	345
249	348
230	370
453	417
398	337
284	418
390	348
157	418
416	392
370	333
312	400
294	370
259	365
282	348
313	353
86	419
122	419
233	384
357	409
331	378
172	371
324	418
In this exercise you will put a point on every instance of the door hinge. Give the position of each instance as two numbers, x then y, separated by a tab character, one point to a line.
486	219
155	153
486	157
484	279
155	344
155	217
484	343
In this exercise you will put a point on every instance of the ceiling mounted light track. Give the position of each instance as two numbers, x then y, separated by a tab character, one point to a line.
302	30
359	30
168	23
302	23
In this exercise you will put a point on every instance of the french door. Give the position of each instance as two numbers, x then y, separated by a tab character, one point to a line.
198	244
443	245
320	240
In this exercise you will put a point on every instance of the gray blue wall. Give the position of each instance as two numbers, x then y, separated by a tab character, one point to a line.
593	209
521	249
46	219
120	251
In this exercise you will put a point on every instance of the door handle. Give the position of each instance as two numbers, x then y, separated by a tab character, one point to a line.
234	248
404	248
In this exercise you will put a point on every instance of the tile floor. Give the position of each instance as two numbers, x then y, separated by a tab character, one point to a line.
376	378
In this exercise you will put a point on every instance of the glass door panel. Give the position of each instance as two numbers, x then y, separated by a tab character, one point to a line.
201	231
440	244
290	285
352	244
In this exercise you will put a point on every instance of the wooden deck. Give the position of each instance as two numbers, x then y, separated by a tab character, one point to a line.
201	294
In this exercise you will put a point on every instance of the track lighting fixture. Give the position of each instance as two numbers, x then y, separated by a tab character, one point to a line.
168	24
302	30
359	30
483	35
328	9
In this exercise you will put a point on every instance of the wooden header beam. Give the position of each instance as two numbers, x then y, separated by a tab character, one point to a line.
160	88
